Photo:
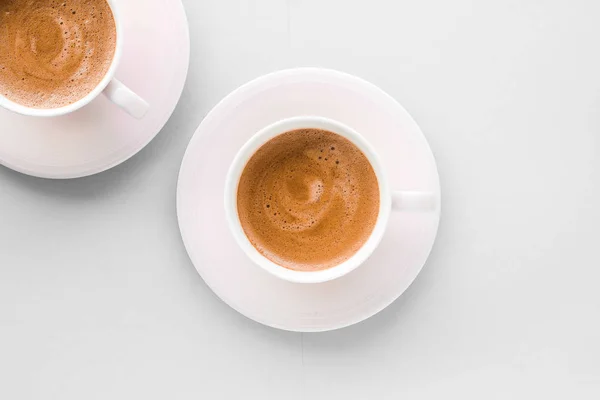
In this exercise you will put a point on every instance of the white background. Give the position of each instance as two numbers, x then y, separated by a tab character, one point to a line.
98	299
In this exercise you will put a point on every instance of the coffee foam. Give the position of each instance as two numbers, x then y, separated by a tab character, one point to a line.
53	53
308	199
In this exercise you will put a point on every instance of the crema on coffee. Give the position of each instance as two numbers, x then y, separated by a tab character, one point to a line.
308	199
53	53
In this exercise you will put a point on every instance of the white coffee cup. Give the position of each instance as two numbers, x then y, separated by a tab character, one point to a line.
109	86
388	200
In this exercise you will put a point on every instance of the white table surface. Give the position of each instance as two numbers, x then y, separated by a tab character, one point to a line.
98	299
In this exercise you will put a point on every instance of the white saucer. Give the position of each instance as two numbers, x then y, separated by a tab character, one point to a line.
227	270
100	135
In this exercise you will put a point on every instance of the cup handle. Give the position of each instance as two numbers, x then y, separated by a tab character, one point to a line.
413	201
122	96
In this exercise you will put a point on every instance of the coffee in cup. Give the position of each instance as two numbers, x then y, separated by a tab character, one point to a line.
54	53
308	199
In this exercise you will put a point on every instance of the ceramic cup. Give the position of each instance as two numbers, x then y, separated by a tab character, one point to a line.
114	90
407	201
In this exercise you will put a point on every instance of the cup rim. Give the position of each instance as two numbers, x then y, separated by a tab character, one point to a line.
247	151
110	73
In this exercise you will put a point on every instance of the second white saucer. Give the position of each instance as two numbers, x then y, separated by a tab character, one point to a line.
224	266
100	135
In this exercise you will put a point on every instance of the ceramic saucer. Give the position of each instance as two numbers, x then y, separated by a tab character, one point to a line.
211	246
100	135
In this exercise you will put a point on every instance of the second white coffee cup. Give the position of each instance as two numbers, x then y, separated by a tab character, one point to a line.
388	200
113	89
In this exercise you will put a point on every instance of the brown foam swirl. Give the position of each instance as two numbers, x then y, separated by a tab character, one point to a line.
303	198
53	53
308	199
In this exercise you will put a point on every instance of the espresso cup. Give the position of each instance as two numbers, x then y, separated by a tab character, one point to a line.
113	89
388	200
